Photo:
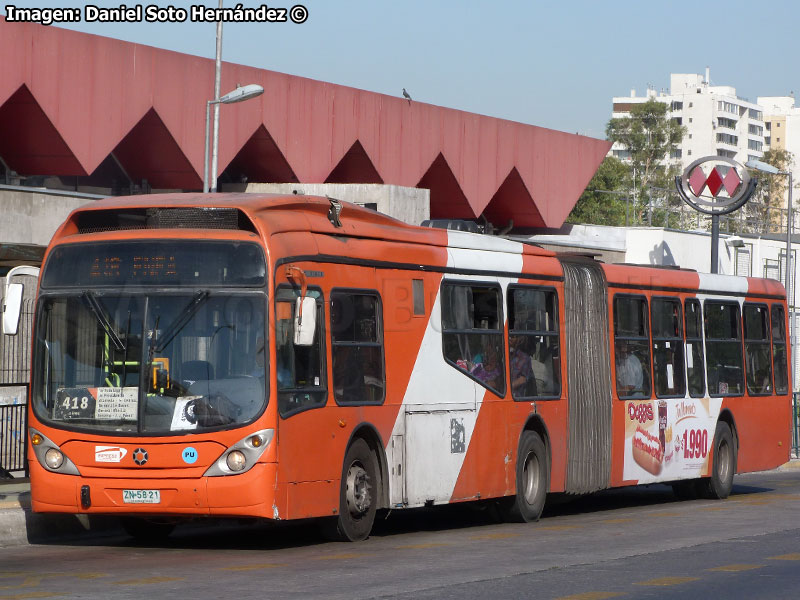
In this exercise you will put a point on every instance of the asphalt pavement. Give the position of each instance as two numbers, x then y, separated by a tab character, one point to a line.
19	525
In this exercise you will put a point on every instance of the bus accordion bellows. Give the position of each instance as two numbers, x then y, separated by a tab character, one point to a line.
288	357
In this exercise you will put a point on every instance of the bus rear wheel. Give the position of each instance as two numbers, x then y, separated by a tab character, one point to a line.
720	484
358	496
532	475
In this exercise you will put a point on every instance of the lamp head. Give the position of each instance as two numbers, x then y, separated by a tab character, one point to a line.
240	94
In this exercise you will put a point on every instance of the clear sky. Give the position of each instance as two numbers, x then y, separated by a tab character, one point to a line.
553	63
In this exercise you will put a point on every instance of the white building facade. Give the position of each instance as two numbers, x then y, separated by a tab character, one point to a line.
717	121
782	125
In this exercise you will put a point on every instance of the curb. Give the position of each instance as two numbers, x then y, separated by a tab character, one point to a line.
19	525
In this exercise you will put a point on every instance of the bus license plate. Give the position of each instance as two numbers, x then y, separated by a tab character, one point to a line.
141	496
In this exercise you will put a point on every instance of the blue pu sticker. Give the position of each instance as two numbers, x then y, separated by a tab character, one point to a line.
189	455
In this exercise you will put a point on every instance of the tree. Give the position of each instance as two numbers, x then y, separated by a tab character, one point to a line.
596	205
764	211
650	136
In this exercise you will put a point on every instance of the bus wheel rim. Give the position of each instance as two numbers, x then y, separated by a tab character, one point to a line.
530	476
358	490
724	455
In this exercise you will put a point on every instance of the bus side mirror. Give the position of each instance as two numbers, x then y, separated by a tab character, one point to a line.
12	306
305	321
12	298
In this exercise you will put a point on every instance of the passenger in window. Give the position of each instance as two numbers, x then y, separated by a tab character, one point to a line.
630	377
522	381
542	365
489	371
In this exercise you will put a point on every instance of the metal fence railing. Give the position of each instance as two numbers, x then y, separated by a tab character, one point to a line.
664	209
796	425
15	353
12	439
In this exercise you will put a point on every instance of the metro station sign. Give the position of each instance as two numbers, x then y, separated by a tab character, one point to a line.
715	185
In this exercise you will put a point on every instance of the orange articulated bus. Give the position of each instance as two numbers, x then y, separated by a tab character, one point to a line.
287	357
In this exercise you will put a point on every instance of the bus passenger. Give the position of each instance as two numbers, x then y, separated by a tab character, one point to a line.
629	371
543	369
490	370
521	371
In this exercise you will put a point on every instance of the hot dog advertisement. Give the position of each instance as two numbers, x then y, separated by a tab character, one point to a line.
669	439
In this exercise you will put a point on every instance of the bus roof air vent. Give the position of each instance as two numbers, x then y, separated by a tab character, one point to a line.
192	217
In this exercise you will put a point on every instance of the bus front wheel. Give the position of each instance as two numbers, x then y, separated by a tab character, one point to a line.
358	496
532	470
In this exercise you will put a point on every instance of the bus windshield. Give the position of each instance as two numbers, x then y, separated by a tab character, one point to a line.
150	363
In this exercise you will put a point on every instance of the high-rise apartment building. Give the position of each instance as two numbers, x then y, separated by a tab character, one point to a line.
717	121
781	124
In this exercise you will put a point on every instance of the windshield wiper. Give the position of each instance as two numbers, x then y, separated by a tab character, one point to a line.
180	321
103	320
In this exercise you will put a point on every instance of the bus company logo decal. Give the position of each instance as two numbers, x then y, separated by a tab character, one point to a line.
109	454
140	456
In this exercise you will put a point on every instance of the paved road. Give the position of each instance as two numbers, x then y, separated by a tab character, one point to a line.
631	543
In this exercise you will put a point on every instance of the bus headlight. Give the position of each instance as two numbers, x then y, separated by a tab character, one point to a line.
53	458
236	460
50	455
241	457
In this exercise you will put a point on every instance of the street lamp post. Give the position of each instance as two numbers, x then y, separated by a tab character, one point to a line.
217	85
240	94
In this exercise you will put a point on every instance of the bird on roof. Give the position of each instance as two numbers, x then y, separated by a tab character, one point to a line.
406	95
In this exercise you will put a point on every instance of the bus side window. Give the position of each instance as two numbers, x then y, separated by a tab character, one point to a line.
779	349
667	347
695	360
757	349
357	347
723	348
533	343
472	332
300	370
632	346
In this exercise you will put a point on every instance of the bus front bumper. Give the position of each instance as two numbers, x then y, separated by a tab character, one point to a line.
250	494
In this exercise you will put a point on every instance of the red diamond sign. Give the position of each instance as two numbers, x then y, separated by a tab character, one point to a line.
731	182
727	186
714	182
697	181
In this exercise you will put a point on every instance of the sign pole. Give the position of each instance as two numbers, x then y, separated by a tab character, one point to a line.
715	243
